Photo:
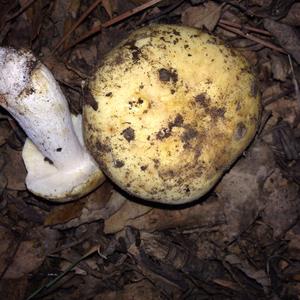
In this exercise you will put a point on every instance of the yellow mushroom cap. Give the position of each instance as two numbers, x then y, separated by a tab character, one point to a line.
171	109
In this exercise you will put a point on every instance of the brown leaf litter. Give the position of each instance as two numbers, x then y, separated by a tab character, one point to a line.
241	241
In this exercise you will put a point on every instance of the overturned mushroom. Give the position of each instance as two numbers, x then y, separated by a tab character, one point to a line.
173	109
58	165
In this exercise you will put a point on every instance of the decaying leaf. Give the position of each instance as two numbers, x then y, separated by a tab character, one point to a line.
282	203
128	214
13	289
139	290
34	16
108	6
287	109
5	130
280	67
100	204
202	16
293	237
14	170
72	7
240	241
293	16
287	36
28	258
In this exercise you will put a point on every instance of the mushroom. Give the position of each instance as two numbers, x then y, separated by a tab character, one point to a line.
173	109
58	164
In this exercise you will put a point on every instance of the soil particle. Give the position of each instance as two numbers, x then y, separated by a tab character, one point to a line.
128	134
168	75
202	99
102	148
119	163
163	133
135	51
167	131
254	89
216	112
188	134
240	131
144	168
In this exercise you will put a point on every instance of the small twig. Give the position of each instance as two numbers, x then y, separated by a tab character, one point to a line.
253	38
162	12
113	21
246	27
268	100
295	82
20	11
52	282
80	20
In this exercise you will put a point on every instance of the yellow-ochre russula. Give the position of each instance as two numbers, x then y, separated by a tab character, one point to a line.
171	108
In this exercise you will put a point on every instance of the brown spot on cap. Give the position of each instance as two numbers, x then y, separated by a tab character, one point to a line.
175	32
128	134
119	59
240	131
187	189
156	163
119	163
188	134
168	75
202	99
102	148
178	121
254	89
144	168
216	112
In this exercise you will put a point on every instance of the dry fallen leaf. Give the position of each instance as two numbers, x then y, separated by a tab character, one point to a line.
20	257
98	205
5	130
27	259
73	210
286	109
206	15
129	212
287	36
293	16
280	67
14	169
282	203
293	236
260	276
142	290
14	289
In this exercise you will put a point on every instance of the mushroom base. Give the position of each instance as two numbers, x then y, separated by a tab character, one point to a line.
60	185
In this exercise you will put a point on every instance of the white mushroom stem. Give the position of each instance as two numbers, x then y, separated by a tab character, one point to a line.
30	93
